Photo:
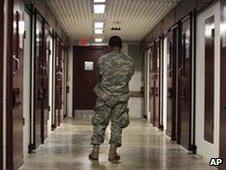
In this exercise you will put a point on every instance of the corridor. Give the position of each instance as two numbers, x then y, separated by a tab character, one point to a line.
144	147
162	62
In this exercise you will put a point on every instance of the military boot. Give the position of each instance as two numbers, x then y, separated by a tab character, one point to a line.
113	155
94	155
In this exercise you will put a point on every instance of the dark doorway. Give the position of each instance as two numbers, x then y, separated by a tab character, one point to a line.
184	70
85	76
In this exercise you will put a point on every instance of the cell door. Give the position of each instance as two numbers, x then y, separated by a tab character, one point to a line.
17	112
1	79
85	76
45	82
157	83
171	84
59	81
161	83
38	79
184	70
154	83
208	82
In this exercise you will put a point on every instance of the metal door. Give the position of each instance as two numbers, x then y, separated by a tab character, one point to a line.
85	76
58	81
17	112
171	84
184	83
1	79
38	79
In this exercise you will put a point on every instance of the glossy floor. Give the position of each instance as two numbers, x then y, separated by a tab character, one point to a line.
67	148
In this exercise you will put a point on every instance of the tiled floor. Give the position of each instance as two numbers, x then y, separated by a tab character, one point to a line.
143	148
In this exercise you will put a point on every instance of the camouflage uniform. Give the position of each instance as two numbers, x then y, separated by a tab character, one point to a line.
115	70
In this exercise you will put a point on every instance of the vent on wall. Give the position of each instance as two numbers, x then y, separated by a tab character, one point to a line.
115	28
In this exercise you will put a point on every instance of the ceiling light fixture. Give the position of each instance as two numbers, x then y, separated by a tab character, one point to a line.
99	8
99	1
98	40
98	24
98	31
116	28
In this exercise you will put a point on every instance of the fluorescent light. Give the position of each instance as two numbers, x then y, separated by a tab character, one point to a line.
98	31
99	1
98	40
99	8
98	24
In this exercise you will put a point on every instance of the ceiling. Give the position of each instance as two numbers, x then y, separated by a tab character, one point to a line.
135	17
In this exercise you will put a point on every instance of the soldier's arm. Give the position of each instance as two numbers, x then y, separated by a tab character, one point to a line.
99	70
133	65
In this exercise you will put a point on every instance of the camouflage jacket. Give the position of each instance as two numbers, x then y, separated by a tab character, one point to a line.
115	70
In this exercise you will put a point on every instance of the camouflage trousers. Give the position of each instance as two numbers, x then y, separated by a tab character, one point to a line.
117	113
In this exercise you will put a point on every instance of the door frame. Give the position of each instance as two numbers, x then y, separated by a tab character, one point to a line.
164	83
213	149
161	84
8	84
34	14
2	3
222	84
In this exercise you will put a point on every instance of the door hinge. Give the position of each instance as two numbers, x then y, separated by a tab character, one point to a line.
23	121
31	147
193	148
25	35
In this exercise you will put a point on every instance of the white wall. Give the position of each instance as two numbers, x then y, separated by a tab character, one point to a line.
135	103
70	82
5	82
26	81
165	56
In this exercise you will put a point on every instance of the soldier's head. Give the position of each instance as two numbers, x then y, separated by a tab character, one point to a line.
115	43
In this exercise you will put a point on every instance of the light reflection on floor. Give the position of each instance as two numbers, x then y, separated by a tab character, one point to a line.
145	148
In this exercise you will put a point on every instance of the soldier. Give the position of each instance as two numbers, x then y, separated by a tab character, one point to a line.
115	70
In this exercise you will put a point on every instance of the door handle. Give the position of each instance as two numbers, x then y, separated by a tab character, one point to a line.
179	72
17	64
16	97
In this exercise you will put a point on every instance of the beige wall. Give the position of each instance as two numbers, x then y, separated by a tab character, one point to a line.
135	103
70	82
